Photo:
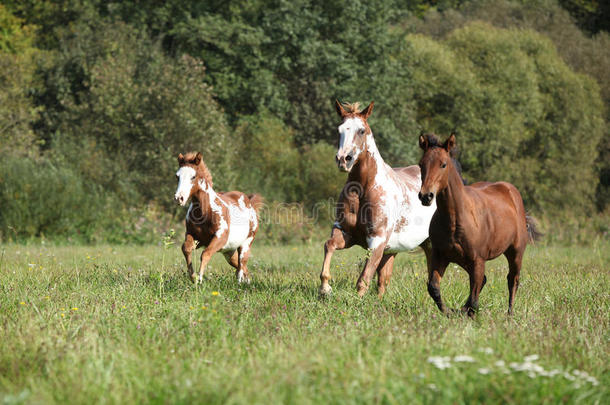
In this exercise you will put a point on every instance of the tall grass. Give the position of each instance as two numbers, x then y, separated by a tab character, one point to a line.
108	325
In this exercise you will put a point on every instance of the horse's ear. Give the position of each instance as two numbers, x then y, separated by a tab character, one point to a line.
450	143
423	142
340	110
366	113
180	159
197	159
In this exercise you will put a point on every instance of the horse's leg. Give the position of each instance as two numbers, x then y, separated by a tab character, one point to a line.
476	272
338	240
233	259
187	250
214	246
514	269
369	269
244	255
384	272
436	269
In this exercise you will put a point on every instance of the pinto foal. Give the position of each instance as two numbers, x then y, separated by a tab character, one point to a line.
225	222
472	224
378	208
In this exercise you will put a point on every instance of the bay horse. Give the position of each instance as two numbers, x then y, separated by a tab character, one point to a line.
378	208
472	224
225	222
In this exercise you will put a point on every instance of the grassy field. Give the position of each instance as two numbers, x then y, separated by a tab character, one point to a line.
123	325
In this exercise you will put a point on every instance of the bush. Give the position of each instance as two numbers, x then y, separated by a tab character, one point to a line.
44	199
521	114
583	53
123	111
17	78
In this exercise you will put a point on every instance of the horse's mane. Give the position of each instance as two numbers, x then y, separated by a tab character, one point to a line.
190	158
352	107
435	142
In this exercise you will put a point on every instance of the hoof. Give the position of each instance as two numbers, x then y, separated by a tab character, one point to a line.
193	278
325	290
241	278
362	289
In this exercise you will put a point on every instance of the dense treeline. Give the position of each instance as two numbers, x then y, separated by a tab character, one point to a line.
98	97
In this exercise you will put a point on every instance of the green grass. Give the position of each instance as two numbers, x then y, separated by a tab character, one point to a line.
111	325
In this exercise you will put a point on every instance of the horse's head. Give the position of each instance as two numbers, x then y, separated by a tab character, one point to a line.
352	134
434	166
192	176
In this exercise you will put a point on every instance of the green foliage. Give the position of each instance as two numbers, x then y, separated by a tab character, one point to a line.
291	58
38	199
41	198
111	95
123	112
17	78
269	163
520	113
583	53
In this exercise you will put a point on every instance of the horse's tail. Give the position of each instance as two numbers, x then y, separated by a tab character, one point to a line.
532	228
257	201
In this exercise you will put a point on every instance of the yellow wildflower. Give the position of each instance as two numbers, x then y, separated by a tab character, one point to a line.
215	293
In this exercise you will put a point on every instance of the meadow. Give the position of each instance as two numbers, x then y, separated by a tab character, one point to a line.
122	324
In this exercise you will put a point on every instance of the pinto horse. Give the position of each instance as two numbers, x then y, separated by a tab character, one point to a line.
472	224
378	208
225	222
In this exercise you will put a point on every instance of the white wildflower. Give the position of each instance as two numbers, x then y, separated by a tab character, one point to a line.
484	371
440	362
592	380
463	359
531	357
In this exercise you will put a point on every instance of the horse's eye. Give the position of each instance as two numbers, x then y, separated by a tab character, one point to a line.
177	177
443	165
193	178
361	131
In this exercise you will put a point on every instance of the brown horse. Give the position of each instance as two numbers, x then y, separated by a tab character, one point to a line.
472	224
378	208
225	222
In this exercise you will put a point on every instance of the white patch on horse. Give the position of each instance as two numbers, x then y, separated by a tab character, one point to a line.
186	182
217	209
240	220
373	242
245	247
407	219
348	129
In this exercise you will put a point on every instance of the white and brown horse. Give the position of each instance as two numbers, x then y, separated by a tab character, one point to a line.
225	222
378	208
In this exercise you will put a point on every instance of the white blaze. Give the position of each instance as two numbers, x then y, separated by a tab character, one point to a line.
350	128
186	180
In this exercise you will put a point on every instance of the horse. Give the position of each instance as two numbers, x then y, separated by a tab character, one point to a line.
225	222
472	224
378	208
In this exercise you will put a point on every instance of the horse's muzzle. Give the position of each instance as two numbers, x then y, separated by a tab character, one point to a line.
345	163
180	199
426	198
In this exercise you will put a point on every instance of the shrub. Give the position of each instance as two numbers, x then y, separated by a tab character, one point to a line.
521	114
130	110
